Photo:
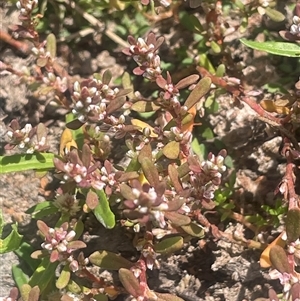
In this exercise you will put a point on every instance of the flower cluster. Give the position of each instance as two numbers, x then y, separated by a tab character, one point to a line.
205	177
144	54
60	244
294	33
56	82
146	204
295	28
27	29
94	101
80	170
29	139
78	167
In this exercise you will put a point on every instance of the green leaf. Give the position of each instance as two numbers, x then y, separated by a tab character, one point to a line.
24	253
274	15
169	245
42	209
278	48
17	163
44	274
51	45
208	133
199	149
11	242
194	230
63	278
102	212
19	276
110	261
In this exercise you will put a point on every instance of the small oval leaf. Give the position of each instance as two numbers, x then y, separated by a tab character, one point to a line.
194	230
51	45
130	283
169	245
172	150
199	91
63	278
293	225
110	261
279	259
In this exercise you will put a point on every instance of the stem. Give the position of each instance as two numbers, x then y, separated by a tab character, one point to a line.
21	46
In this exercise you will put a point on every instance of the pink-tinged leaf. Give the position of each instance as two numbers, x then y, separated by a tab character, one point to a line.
176	203
54	256
146	152
34	294
44	229
39	254
159	41
295	291
124	92
128	176
169	245
273	295
293	224
138	71
42	62
161	82
65	297
150	172
167	297
92	200
174	177
63	278
126	192
279	259
142	106
130	283
185	82
115	104
108	260
177	219
86	156
194	230
199	91
172	150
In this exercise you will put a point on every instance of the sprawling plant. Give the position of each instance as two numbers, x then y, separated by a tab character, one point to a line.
138	173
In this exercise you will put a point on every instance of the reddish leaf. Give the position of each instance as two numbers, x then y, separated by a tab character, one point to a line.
279	259
92	200
199	91
130	283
